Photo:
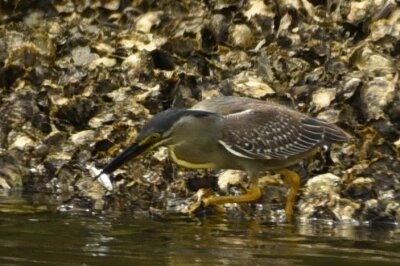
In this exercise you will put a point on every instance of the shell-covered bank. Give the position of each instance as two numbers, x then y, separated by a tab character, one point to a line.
78	79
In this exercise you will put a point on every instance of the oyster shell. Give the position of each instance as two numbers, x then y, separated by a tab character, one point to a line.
79	79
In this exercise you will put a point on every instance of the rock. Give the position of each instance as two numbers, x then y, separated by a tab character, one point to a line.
321	199
376	95
249	85
84	137
148	20
323	97
83	56
21	142
242	36
229	177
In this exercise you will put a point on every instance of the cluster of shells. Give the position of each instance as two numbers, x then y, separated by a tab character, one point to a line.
79	78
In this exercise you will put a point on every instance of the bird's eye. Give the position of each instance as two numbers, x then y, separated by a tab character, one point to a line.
154	136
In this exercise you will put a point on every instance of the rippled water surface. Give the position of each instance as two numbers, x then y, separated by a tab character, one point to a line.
30	237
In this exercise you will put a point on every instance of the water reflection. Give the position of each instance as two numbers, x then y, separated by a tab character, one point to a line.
121	238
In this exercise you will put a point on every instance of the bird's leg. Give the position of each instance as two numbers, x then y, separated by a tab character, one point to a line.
293	180
253	194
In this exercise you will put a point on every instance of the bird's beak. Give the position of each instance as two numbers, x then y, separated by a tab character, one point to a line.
129	153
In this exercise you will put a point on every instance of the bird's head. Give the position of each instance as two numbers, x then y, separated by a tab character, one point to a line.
161	130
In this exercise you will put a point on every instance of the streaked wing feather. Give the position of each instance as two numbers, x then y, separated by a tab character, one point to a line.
271	133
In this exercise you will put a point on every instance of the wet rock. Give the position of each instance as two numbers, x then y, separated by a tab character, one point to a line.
84	137
20	141
228	178
360	188
148	20
372	61
397	144
220	27
83	56
358	11
40	151
242	36
386	27
376	95
350	87
321	199
323	97
331	115
101	119
256	8
13	170
75	111
55	138
251	86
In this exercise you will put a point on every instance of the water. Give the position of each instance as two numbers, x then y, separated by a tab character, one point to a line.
32	236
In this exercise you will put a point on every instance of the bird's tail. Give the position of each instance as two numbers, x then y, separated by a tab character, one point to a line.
328	131
333	133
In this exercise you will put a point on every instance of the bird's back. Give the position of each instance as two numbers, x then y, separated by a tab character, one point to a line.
226	105
258	130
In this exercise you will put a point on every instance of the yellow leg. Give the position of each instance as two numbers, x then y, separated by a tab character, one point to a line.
270	180
293	179
252	195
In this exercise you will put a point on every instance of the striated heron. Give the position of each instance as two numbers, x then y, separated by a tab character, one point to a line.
235	133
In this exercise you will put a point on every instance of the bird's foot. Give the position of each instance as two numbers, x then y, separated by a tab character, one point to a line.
207	198
270	180
204	202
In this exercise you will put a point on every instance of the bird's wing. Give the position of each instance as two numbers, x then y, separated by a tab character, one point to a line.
274	133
